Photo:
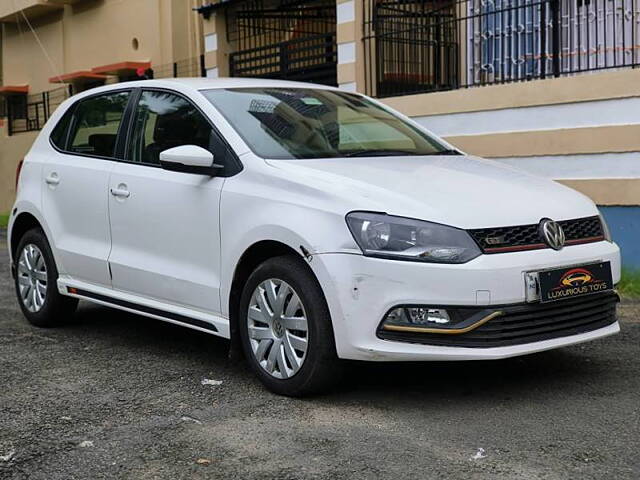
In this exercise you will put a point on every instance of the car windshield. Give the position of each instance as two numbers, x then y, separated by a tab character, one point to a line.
295	123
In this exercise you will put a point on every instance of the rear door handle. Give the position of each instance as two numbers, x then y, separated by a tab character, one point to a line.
120	192
52	179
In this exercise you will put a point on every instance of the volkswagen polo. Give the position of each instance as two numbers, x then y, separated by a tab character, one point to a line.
305	223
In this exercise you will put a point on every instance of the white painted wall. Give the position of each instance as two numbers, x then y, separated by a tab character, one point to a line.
210	42
346	52
598	165
349	87
346	12
620	111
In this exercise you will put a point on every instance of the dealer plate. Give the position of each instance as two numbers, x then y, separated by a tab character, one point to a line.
571	282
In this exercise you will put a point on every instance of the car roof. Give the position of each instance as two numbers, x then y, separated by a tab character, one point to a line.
207	84
231	82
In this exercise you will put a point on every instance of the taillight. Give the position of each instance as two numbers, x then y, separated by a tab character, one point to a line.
18	170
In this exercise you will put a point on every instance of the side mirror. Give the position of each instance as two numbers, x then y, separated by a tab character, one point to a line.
189	159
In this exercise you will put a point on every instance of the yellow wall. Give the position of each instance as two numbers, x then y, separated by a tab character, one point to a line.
99	32
23	61
12	150
83	35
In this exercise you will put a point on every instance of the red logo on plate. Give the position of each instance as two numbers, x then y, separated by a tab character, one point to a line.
576	277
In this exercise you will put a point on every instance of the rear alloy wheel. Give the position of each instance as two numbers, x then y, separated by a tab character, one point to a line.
285	328
36	282
32	278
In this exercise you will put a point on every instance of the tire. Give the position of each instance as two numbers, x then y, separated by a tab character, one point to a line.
319	367
47	308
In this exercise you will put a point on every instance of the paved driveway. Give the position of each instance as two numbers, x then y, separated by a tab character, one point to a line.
114	395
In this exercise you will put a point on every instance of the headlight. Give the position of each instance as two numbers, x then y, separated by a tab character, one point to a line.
605	229
386	236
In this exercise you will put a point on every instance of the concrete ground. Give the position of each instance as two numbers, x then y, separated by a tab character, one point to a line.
118	396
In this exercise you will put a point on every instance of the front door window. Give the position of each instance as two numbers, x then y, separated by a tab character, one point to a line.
164	120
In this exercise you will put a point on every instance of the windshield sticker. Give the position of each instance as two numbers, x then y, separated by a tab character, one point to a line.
311	101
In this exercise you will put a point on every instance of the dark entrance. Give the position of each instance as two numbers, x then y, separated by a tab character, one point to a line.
411	46
285	39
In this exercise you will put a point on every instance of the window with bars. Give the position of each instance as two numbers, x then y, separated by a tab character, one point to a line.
428	45
285	39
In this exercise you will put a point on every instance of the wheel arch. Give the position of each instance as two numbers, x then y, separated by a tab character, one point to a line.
24	222
253	256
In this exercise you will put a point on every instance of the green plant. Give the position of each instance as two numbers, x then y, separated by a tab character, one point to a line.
4	219
629	285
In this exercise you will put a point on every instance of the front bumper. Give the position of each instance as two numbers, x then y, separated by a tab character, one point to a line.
361	290
515	324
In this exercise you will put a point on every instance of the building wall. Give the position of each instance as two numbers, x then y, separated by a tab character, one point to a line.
583	131
93	33
84	35
11	152
23	60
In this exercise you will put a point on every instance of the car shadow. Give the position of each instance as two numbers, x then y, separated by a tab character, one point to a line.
428	381
129	330
466	378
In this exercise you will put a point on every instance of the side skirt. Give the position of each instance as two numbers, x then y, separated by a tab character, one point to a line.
177	315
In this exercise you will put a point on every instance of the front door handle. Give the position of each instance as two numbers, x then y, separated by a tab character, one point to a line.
120	192
52	179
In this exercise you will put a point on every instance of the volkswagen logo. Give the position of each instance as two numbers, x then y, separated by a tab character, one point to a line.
552	234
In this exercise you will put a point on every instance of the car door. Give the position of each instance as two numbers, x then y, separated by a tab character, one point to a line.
75	185
165	224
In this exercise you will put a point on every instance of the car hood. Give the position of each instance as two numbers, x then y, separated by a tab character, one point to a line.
458	190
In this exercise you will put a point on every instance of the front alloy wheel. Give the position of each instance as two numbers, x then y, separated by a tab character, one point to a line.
285	328
278	330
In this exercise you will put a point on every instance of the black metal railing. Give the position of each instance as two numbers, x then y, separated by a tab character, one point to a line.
286	39
306	59
189	67
416	46
27	113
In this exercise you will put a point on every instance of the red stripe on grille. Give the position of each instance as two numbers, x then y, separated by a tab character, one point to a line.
516	248
578	241
537	246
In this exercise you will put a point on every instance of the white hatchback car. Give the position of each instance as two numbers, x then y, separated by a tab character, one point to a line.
305	223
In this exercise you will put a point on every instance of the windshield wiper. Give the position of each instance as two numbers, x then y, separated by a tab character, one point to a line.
444	152
377	153
393	153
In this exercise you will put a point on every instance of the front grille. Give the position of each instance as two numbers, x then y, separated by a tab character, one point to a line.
527	237
526	323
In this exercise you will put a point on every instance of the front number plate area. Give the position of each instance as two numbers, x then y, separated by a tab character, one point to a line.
571	282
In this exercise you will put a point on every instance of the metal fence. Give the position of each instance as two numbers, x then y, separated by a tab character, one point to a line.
305	59
189	67
416	46
287	39
27	113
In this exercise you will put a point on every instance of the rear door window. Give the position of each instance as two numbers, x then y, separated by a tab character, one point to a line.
60	131
97	121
